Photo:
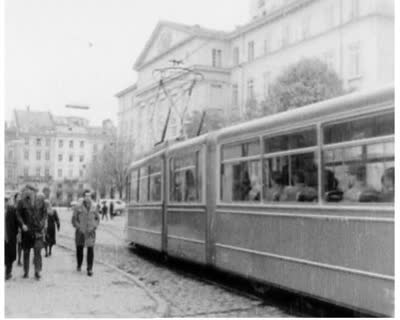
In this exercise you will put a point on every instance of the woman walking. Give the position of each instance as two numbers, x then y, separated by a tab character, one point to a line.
52	222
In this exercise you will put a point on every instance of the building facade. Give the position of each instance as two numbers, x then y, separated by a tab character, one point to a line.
353	37
53	151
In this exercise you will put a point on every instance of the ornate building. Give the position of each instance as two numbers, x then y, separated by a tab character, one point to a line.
355	38
46	150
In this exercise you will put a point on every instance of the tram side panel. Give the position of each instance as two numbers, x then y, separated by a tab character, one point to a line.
342	257
145	226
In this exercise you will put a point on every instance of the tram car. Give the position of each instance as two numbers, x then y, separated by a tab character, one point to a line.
302	200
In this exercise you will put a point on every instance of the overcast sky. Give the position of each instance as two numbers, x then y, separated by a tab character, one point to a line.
60	52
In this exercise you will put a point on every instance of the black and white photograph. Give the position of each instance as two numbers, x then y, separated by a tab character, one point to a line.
198	159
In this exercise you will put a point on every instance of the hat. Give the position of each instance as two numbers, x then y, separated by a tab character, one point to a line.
30	188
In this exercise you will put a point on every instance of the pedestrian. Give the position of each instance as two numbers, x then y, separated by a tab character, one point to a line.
104	211
19	245
52	221
32	216
111	209
10	236
85	220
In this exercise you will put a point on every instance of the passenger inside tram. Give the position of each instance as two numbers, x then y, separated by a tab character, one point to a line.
275	192
255	191
299	191
331	187
387	180
359	190
190	190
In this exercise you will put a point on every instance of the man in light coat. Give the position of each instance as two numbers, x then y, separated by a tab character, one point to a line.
85	220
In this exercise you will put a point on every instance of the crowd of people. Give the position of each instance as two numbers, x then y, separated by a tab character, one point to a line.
31	223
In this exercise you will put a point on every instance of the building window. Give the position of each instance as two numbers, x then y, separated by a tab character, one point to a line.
46	172
267	45
26	171
305	30
81	173
70	173
354	9
95	148
82	144
354	61
329	59
38	155
47	142
38	171
286	35
250	51
47	156
267	80
26	141
250	89
236	56
216	58
261	3
60	173
60	157
38	142
71	158
26	155
235	95
71	143
81	158
10	155
329	17
60	143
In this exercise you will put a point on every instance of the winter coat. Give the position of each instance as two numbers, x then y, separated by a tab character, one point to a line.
35	219
85	221
52	222
11	231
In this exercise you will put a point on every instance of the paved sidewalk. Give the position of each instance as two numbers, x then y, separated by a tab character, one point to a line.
67	293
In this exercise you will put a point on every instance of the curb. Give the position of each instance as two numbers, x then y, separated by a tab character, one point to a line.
162	306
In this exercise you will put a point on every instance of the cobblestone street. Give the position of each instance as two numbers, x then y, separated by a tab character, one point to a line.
185	295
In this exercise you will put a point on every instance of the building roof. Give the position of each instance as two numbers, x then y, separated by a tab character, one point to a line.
27	120
132	87
191	30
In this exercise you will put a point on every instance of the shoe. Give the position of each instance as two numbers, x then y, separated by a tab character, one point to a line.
46	255
8	276
90	273
19	263
37	276
78	268
25	276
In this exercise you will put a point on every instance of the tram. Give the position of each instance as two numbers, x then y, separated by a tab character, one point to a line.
302	200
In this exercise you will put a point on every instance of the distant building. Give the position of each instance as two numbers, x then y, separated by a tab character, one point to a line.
353	37
54	151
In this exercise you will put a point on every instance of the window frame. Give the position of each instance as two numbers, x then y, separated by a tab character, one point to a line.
200	175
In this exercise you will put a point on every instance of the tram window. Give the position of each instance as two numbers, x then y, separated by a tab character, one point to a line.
144	184
185	183
241	181
297	140
361	174
247	149
155	181
134	186
370	127
291	178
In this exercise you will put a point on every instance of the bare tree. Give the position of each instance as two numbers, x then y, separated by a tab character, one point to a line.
111	167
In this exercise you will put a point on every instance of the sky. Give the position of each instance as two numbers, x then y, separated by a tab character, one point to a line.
63	52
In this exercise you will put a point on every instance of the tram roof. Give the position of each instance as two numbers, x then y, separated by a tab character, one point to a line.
319	110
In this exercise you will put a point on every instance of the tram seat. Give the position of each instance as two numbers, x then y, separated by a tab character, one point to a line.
334	196
369	196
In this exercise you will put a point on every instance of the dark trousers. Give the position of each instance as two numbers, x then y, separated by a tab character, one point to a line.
37	259
89	257
8	259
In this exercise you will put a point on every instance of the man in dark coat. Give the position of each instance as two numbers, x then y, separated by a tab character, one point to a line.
111	209
104	211
52	222
32	216
85	220
10	236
